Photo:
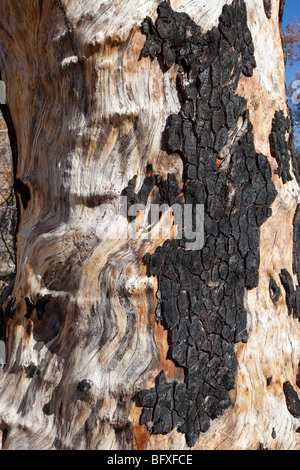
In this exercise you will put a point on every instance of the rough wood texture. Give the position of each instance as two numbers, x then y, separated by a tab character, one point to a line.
87	113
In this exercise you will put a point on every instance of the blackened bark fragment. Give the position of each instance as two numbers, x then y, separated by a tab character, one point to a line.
268	8
280	146
281	10
292	399
297	303
298	377
165	192
202	291
274	291
288	285
262	447
296	224
296	263
291	143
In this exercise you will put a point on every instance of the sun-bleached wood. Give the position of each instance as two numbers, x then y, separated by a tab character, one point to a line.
88	116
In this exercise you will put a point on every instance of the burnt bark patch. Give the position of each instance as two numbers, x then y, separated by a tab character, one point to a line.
274	291
288	284
296	260
296	226
268	8
201	292
269	381
280	145
292	399
298	377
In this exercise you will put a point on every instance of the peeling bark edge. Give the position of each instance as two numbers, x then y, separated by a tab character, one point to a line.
280	17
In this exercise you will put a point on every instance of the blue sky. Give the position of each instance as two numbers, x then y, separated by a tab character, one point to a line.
291	10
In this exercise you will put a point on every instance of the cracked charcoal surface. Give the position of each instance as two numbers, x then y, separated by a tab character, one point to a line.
201	293
280	146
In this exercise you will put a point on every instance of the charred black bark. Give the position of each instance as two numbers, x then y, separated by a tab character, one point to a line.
274	291
296	263
202	292
280	145
268	8
287	282
292	399
296	240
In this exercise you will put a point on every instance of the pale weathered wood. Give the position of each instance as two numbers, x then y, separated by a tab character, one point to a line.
88	115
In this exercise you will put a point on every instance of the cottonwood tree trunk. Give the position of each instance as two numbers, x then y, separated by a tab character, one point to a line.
138	342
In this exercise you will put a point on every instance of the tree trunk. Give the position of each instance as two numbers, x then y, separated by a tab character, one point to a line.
125	340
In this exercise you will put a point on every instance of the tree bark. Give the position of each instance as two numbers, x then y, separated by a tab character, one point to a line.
136	343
